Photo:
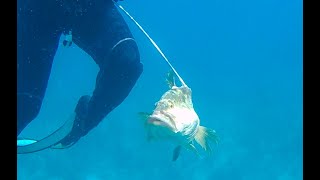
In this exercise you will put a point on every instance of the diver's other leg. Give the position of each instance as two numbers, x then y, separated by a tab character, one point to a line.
105	36
37	44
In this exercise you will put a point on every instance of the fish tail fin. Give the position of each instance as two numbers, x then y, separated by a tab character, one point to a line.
204	136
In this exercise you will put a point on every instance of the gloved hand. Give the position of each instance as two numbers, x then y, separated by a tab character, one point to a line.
79	127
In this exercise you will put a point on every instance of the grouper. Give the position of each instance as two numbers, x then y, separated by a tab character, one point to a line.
175	119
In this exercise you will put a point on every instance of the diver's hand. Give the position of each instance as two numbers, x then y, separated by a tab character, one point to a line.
79	128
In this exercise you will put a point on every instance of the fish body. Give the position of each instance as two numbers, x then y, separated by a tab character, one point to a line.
174	116
175	119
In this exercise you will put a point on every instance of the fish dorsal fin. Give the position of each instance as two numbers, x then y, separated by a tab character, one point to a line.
170	79
176	153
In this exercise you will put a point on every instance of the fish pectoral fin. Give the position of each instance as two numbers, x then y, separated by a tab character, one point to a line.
176	153
204	136
144	115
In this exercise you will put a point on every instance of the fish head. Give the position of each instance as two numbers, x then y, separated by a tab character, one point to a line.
175	122
160	126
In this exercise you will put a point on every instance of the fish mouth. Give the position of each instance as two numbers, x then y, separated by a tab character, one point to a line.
159	120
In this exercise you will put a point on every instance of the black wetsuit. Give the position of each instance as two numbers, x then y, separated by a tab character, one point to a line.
97	28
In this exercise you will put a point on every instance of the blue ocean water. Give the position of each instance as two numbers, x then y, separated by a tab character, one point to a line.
243	61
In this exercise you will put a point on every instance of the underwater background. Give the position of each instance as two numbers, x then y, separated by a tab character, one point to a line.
242	60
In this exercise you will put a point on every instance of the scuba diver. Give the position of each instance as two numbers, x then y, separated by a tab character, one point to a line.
97	27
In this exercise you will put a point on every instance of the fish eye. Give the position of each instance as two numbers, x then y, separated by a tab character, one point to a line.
170	103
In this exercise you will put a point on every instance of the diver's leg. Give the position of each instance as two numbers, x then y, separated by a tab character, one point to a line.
105	36
115	80
37	42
